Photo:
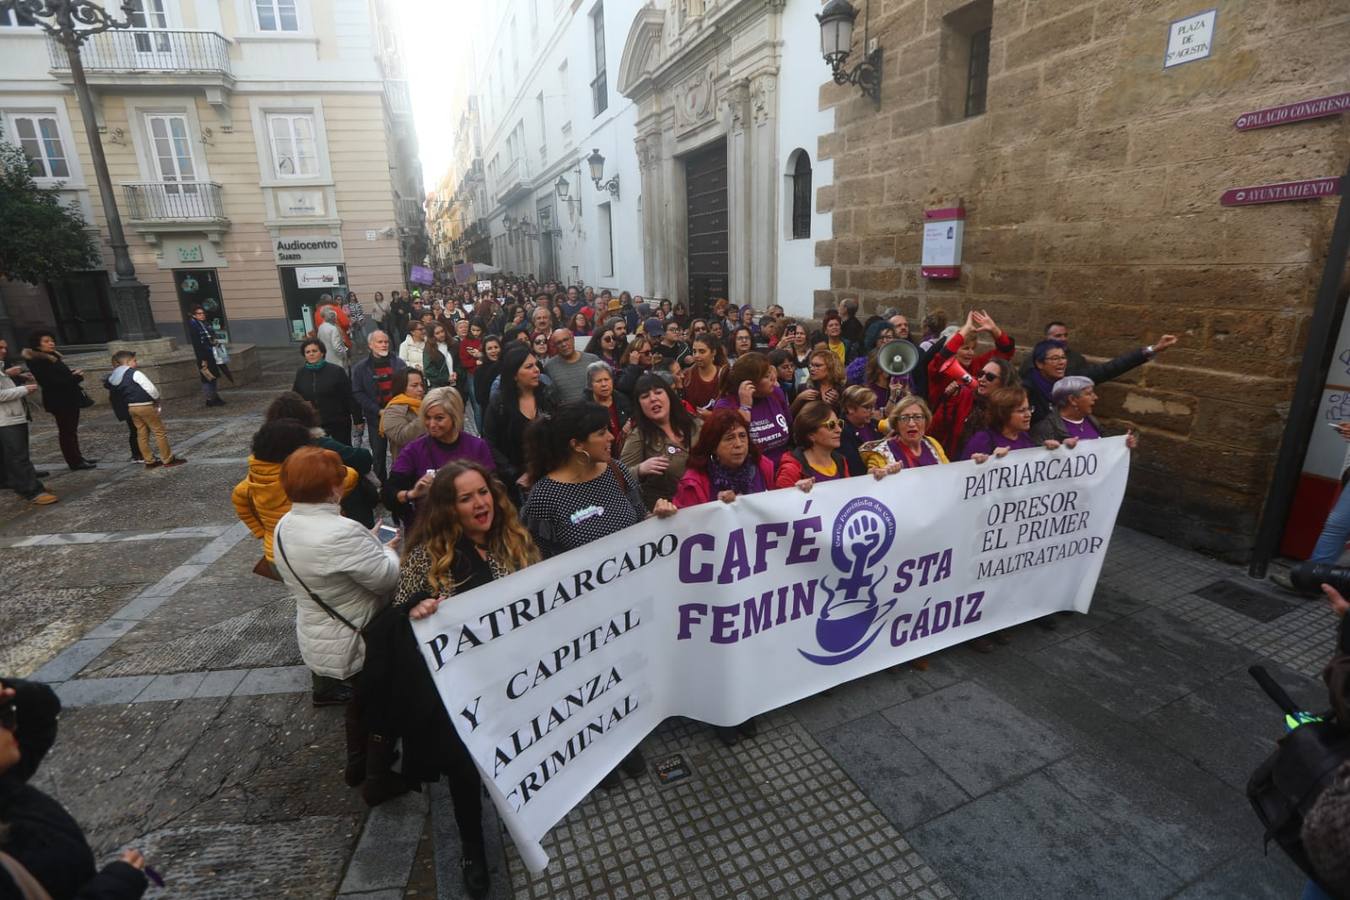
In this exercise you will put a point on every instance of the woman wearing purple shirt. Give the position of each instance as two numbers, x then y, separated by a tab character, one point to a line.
410	478
1071	420
1008	426
751	385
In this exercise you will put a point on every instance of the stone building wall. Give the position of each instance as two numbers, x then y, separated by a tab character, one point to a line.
1091	186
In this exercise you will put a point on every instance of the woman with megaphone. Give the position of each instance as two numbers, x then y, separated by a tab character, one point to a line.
951	386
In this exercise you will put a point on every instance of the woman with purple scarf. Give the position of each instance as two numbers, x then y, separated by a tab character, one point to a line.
723	465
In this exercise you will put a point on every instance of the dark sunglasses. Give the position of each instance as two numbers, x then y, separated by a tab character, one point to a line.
9	717
989	376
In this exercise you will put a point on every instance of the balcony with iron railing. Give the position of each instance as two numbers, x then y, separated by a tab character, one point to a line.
399	98
173	203
195	57
410	210
513	180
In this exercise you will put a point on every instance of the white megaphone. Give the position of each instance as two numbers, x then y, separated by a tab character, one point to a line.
897	357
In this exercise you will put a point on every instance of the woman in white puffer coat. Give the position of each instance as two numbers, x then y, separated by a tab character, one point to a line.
340	576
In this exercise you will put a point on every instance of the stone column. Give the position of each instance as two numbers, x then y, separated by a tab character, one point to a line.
740	176
655	246
762	151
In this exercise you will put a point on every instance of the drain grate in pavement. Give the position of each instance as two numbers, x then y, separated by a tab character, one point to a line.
1252	603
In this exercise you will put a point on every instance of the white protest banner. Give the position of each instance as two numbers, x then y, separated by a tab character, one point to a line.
724	611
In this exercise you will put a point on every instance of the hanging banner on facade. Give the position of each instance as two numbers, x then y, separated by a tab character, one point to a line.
725	611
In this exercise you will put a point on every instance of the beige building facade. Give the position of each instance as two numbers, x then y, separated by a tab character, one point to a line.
261	152
1089	144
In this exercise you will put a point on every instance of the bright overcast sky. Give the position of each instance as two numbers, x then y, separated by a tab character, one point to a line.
429	31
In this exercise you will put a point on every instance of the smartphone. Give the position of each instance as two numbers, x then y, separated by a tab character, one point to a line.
386	533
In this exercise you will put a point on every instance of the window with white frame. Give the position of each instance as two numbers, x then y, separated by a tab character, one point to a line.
38	134
276	15
171	151
294	149
607	240
599	84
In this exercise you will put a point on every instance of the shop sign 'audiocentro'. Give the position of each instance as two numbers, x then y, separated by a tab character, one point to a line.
316	248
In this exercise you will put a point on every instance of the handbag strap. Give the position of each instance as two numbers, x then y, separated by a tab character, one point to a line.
29	887
313	596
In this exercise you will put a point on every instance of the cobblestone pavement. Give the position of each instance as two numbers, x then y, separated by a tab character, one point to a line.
1106	758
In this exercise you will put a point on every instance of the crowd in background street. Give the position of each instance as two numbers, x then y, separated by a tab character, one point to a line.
446	437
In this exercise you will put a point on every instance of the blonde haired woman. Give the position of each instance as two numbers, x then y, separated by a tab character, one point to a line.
446	440
467	536
909	445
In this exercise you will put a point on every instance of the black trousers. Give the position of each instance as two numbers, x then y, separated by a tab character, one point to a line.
339	431
19	474
68	434
466	788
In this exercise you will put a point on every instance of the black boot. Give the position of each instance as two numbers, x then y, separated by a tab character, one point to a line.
355	771
474	869
382	782
634	764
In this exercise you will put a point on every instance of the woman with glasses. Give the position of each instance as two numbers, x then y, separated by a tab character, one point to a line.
742	342
539	343
827	380
580	326
635	360
909	446
1007	427
1050	362
964	413
816	434
697	327
604	346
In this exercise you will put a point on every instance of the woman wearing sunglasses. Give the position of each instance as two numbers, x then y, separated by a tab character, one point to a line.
815	456
604	345
955	421
540	345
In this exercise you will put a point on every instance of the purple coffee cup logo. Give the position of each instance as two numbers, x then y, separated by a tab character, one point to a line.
851	617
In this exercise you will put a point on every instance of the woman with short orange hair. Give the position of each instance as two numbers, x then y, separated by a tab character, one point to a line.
340	576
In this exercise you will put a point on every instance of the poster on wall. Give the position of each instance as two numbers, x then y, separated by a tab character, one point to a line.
310	277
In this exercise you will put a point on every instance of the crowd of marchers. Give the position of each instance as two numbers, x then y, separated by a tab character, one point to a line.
437	440
440	439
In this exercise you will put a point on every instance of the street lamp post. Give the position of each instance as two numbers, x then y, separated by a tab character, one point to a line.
71	23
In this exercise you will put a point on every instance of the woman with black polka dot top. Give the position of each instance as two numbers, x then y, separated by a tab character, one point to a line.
578	493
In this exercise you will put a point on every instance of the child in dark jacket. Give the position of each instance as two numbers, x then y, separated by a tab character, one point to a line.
131	389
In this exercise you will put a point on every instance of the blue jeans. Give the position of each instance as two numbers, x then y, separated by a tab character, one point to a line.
1312	891
1331	542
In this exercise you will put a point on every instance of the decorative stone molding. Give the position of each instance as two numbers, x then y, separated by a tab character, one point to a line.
693	98
762	88
735	102
648	150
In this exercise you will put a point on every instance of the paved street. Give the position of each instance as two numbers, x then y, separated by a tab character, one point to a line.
1105	759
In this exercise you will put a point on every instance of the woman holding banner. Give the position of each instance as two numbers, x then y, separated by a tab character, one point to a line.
817	431
579	494
909	445
468	537
1009	424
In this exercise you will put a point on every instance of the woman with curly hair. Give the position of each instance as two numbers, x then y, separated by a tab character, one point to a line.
468	536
